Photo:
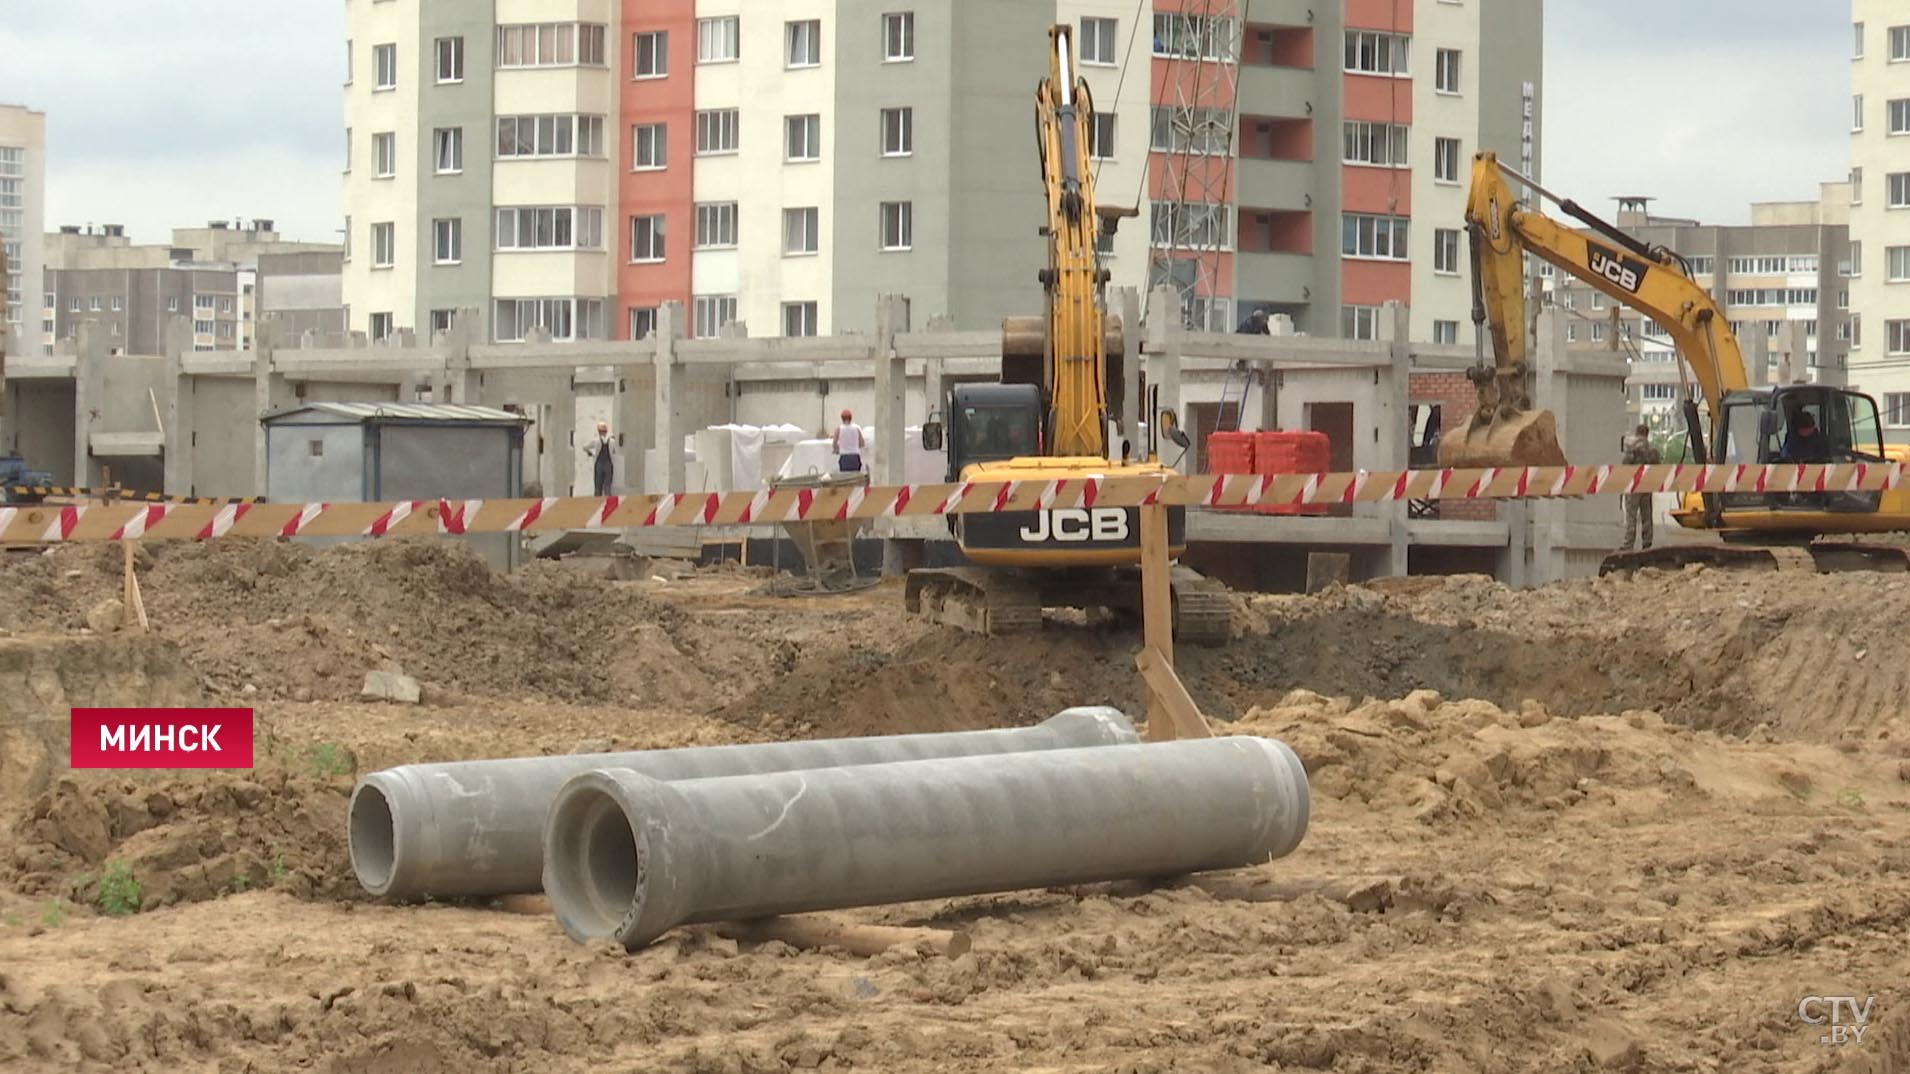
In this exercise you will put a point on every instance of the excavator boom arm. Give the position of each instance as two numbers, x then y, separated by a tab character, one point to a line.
1077	357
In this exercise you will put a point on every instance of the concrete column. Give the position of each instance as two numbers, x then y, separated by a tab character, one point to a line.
1797	347
891	412
1391	439
560	439
933	369
178	408
671	402
270	391
628	406
1164	330
460	383
1550	388
89	400
1132	375
1757	355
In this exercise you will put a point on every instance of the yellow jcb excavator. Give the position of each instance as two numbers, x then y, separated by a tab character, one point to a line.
1739	423
1048	418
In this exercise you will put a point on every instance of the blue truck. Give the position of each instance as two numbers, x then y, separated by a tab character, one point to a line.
16	478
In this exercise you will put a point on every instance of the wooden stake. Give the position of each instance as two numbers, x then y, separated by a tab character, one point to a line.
1157	614
811	933
1170	695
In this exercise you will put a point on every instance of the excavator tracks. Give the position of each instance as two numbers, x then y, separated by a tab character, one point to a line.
1203	612
978	601
1816	558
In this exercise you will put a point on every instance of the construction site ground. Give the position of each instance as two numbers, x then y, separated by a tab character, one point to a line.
1625	824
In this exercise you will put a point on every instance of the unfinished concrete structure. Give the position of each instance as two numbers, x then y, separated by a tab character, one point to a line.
188	423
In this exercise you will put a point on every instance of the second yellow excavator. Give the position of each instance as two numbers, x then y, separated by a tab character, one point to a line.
1738	424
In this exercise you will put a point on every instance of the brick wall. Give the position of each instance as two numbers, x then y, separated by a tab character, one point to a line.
1457	401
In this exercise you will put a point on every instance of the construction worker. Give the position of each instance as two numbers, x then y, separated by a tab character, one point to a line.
1639	451
849	444
602	453
1255	325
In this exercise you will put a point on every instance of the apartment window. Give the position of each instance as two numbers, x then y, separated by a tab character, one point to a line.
450	59
348	63
1896	409
802	137
801	231
650	54
550	44
348	150
1898	334
1900	116
1897	263
1446	70
716	225
716	131
119	303
450	149
550	136
1446	160
1659	393
1101	136
643	321
447	241
799	318
1190	130
347	243
1194	37
1899	44
384	245
1383	237
562	319
1446	251
1899	191
1857	47
898	225
898	36
649	146
1359	322
225	305
1857	112
73	305
1098	41
384	60
172	304
441	321
802	43
384	154
200	303
1370	52
1189	226
711	313
1445	331
646	238
204	328
1598	300
1843	299
898	132
1856	330
1856	186
381	326
550	227
716	40
1856	258
1382	144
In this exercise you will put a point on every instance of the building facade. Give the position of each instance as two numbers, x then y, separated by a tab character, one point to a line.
778	164
1879	268
1782	281
22	215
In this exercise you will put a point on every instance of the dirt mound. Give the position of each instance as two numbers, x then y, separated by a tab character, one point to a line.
41	678
304	623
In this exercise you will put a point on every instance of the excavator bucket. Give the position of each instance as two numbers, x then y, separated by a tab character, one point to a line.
1528	438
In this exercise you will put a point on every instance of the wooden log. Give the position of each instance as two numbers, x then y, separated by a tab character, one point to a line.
1361	894
1170	694
811	933
1157	617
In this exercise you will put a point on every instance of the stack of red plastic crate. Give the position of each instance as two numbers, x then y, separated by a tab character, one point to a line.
1292	453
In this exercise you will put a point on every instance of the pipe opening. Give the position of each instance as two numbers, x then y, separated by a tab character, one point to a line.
374	838
594	876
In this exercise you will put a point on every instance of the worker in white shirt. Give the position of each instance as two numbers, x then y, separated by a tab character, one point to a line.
849	442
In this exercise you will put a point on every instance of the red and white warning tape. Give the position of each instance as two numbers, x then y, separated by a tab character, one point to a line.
186	521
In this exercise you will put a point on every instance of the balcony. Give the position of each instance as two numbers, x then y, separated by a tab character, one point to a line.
1275	91
1276	184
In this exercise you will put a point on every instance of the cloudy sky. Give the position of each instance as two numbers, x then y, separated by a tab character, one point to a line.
180	112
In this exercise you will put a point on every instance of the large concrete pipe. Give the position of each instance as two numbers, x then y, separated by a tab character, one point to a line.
630	857
473	828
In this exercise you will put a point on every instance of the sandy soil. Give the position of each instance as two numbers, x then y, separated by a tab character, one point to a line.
1637	822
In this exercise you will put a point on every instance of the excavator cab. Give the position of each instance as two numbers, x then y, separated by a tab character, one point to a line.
1800	424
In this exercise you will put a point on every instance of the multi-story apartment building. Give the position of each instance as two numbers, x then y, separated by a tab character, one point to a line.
1879	270
208	274
1782	280
778	164
22	214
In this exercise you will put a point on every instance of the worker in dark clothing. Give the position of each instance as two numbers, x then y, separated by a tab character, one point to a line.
603	461
1255	325
1806	443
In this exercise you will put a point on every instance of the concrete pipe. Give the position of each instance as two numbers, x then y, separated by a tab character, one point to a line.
475	828
629	857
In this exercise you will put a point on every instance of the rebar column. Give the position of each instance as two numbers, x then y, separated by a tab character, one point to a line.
475	828
630	857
